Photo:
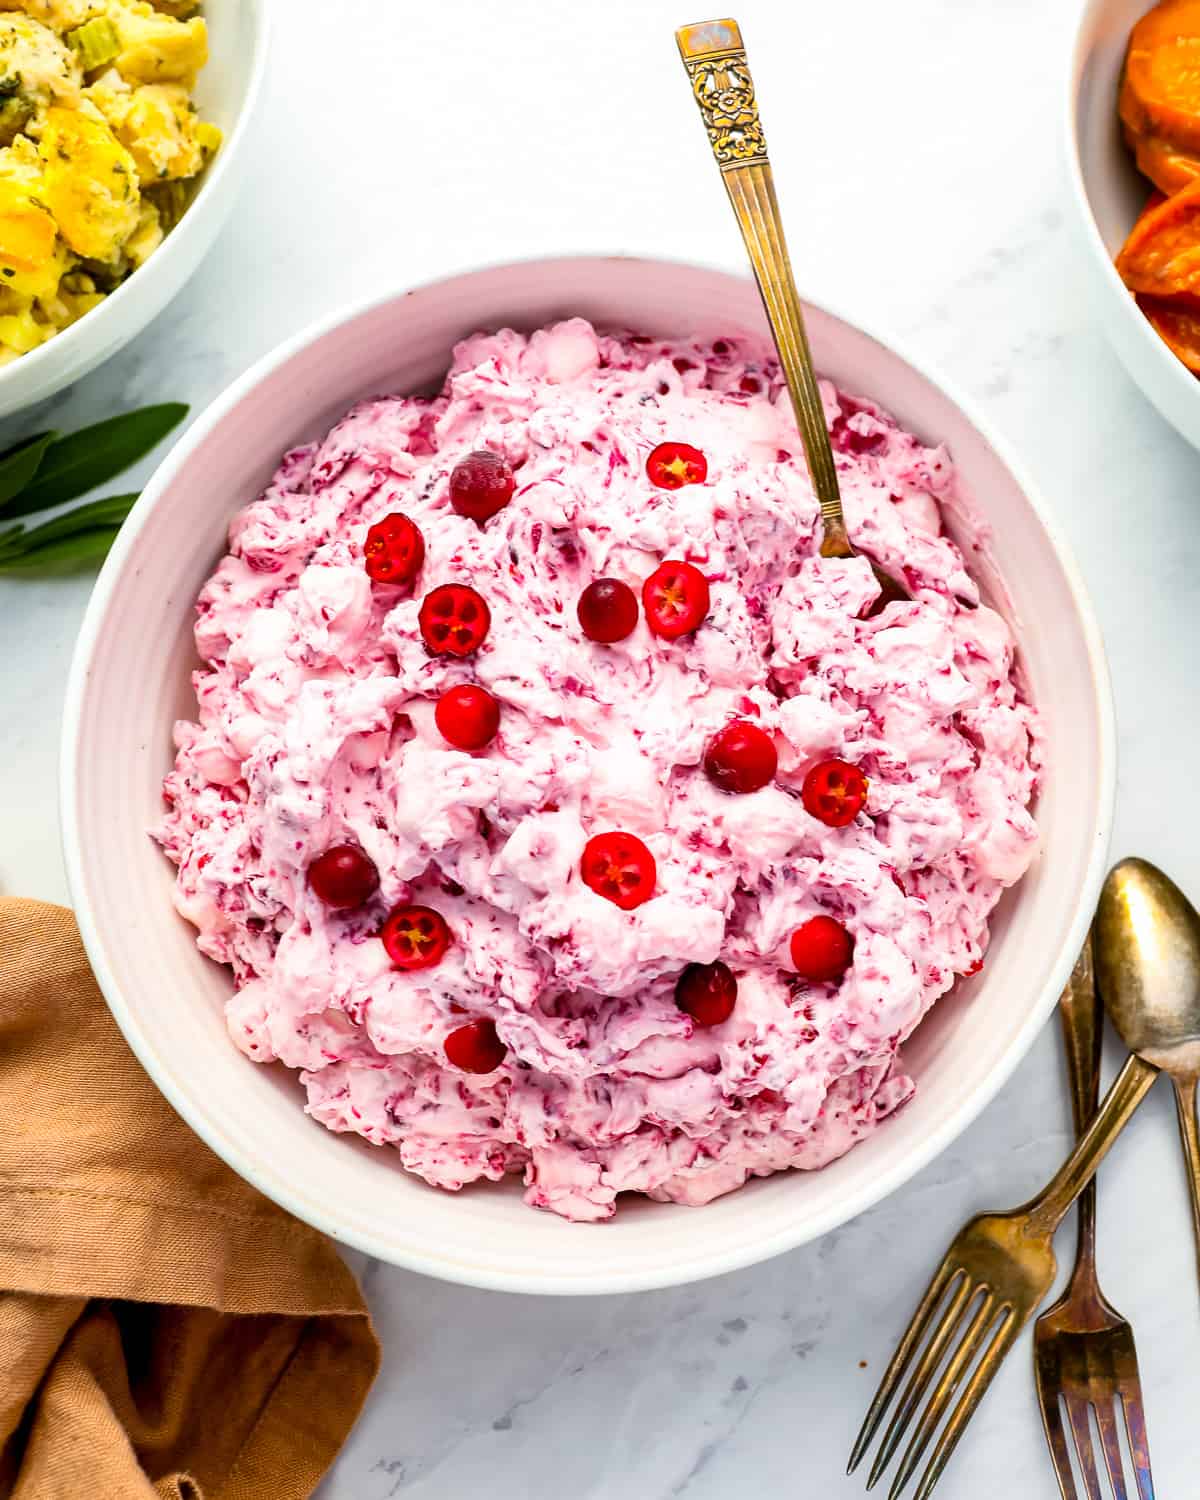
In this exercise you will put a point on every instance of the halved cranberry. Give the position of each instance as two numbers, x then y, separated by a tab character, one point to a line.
835	792
741	758
619	867
394	549
481	484
821	950
707	992
675	598
343	877
672	465
475	1047
467	716
416	937
608	610
454	620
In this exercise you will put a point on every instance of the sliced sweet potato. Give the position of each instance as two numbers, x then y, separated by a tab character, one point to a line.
1166	23
1167	167
1161	91
1161	257
1176	320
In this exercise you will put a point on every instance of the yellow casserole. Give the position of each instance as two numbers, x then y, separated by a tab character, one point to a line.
100	148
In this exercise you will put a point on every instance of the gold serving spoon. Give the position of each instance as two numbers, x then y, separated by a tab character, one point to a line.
1148	969
715	60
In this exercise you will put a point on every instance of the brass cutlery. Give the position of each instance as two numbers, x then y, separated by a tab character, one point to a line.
1150	984
998	1269
1000	1266
1146	953
716	64
1084	1355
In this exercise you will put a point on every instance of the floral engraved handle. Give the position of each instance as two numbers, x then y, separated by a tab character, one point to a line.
715	59
716	65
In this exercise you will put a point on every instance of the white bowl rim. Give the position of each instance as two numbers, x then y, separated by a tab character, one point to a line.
705	1263
1173	369
32	361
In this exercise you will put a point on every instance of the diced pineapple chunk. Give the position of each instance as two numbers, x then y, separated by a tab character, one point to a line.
155	47
90	183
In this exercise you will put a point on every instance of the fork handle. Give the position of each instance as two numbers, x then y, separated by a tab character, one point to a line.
1131	1085
1185	1105
716	64
1082	1015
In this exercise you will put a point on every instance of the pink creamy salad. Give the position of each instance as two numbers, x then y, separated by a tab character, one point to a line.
316	728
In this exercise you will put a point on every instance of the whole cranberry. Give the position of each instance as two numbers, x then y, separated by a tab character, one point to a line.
343	877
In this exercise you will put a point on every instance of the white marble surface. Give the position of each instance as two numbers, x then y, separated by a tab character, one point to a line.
916	156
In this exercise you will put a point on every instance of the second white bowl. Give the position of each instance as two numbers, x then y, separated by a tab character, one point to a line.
225	93
1107	193
131	680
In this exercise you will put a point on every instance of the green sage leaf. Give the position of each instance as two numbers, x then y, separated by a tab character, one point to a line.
19	465
64	555
73	465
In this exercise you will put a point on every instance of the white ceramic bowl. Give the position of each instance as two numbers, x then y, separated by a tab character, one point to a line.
130	680
1107	193
225	93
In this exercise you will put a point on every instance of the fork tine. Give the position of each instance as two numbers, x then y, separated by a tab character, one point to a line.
1004	1337
1078	1408
919	1380
1106	1421
1049	1383
1139	1446
892	1376
943	1392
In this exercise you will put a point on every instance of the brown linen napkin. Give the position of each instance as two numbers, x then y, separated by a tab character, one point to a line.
165	1331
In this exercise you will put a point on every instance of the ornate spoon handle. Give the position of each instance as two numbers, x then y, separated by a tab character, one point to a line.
715	60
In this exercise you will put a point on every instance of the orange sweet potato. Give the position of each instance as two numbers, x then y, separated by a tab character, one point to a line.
1159	99
1176	320
1168	22
1161	257
1167	167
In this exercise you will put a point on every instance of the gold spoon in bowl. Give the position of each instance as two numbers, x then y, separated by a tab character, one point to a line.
1148	970
715	60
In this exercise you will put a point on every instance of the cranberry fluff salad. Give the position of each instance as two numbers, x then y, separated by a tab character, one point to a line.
560	810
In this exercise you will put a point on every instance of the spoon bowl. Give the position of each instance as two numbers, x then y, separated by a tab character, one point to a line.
1148	964
1147	938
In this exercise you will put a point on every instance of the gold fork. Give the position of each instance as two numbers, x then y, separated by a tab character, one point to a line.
716	64
993	1277
1083	1348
